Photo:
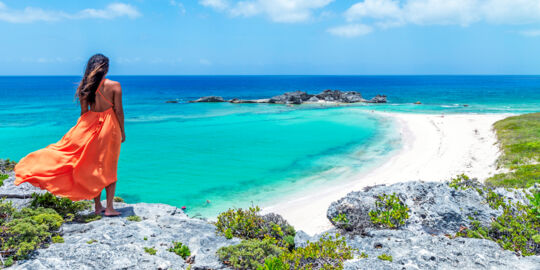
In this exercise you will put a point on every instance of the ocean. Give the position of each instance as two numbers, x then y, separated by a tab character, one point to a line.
210	157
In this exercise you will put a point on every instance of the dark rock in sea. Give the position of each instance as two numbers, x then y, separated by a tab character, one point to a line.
209	99
465	105
313	99
378	99
339	96
435	208
171	101
418	103
299	97
296	97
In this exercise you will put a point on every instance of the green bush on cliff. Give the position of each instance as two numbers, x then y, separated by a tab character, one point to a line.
248	224
515	229
519	138
7	165
2	178
26	230
390	211
180	250
249	254
62	206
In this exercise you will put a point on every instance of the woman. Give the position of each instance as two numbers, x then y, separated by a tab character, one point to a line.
84	161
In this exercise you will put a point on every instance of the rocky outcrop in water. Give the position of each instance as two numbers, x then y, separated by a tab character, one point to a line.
378	99
209	99
300	97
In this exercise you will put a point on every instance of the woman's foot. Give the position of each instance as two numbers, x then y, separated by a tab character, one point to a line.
111	212
99	210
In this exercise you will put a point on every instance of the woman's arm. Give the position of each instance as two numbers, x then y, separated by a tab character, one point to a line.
84	105
118	108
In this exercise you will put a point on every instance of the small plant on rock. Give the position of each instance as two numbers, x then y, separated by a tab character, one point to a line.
150	250
248	224
385	257
390	211
57	239
62	206
180	250
134	218
341	219
118	199
2	178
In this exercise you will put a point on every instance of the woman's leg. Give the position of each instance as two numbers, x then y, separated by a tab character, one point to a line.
109	211
97	204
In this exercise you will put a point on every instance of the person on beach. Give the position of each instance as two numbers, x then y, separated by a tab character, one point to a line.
84	161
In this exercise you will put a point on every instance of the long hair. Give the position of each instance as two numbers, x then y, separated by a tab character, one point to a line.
96	69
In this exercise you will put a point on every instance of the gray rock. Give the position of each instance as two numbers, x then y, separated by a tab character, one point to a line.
435	208
209	99
296	97
313	99
171	101
378	99
413	251
120	243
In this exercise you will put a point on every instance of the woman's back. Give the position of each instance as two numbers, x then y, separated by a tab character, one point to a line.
104	96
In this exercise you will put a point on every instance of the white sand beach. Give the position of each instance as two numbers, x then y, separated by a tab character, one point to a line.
434	148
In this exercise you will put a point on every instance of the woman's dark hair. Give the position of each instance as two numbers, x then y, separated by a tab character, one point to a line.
96	69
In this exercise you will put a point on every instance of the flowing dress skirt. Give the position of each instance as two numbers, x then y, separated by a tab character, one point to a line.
81	164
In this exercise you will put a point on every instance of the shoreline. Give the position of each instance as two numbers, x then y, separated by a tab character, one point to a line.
434	147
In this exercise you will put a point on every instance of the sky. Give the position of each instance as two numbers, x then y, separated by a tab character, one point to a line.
271	37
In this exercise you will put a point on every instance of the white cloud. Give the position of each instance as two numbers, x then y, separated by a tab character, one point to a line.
32	14
444	12
179	5
110	12
530	33
215	4
351	30
285	11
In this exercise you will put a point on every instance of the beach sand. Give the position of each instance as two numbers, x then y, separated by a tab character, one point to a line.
434	148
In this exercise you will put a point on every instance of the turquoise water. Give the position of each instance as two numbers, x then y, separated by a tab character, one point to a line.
235	155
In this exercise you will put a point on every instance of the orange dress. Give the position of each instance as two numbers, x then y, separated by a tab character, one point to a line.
82	163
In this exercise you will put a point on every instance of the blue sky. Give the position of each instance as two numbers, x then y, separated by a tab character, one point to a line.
185	37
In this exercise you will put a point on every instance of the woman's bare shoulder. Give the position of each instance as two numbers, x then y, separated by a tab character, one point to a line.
113	85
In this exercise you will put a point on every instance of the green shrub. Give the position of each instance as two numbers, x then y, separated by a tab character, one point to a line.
180	250
118	199
341	219
514	230
88	218
327	253
249	254
2	178
519	138
390	211
385	257
363	255
7	165
248	224
26	230
57	239
134	218
91	241
62	206
8	261
150	250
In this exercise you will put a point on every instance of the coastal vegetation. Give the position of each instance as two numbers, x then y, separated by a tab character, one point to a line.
519	138
150	250
134	218
180	250
517	229
269	244
390	211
